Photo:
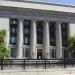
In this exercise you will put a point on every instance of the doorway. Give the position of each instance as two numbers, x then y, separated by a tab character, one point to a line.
39	53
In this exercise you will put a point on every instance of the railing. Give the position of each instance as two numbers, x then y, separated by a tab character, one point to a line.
37	63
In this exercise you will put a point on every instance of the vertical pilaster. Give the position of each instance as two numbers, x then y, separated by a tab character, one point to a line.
33	40
58	40
46	39
20	38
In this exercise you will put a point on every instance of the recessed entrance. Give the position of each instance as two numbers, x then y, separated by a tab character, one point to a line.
39	53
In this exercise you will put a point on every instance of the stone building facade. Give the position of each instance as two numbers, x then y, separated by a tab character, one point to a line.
36	29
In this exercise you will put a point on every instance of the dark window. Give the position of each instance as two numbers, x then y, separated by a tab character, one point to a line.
13	22
39	32
13	31
64	28
66	53
26	32
13	39
52	33
13	52
53	54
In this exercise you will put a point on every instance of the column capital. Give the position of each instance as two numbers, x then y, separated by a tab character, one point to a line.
58	22
46	21
34	20
21	18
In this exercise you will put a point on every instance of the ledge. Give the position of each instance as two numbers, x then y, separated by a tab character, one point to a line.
37	6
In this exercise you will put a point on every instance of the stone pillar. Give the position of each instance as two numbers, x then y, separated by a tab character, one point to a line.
20	39
58	41
33	50
46	40
69	35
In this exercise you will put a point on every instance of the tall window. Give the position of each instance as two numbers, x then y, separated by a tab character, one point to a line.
39	32
64	28
13	30
13	52
26	52
52	33
53	53
26	32
65	53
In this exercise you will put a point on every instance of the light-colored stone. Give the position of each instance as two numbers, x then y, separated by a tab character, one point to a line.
33	40
46	39
58	40
20	39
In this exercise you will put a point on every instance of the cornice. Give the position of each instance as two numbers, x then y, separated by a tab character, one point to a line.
37	16
38	6
41	2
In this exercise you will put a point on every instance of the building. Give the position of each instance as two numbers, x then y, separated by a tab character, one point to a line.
37	29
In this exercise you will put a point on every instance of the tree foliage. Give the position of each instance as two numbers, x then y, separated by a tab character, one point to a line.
72	43
2	36
72	46
4	51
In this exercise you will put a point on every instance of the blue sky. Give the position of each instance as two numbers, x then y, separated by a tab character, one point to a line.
68	2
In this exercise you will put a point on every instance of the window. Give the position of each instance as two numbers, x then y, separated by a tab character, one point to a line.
64	30
13	31
53	53
27	22
26	32
52	39
13	21
66	53
26	40
64	33
12	39
52	33
39	32
13	53
26	52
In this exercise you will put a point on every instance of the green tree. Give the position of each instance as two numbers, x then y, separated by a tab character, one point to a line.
4	51
72	46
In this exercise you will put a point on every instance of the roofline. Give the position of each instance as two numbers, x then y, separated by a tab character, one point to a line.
37	5
46	3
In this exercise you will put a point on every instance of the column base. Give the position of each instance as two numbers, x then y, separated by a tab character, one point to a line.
33	56
47	55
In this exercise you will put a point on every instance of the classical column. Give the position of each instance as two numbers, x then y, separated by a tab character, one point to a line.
58	41
46	39
33	40
69	35
20	39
